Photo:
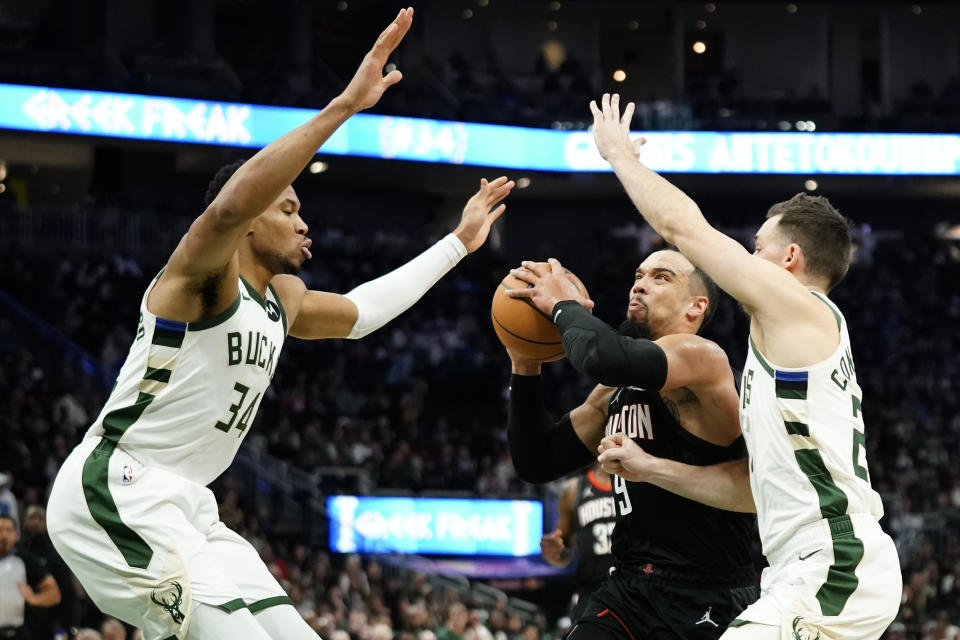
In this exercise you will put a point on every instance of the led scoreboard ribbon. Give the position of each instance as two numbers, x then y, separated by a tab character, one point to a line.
124	115
435	525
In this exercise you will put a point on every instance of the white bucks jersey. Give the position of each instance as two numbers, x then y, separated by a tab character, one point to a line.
804	430
188	391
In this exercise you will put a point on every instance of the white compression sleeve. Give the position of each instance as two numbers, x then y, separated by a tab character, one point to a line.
380	301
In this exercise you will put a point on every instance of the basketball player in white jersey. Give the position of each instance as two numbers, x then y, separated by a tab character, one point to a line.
833	572
129	510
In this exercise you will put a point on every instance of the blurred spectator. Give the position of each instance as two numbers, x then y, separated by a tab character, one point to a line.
8	502
24	581
64	617
113	629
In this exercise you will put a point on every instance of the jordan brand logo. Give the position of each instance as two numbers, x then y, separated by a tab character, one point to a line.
706	618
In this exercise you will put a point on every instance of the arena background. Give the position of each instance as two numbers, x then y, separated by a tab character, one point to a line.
89	214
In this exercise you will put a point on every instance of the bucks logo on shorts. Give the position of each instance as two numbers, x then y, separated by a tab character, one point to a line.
802	631
169	595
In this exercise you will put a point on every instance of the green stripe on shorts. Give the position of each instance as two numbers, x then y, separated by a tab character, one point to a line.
234	605
95	477
841	579
96	469
260	605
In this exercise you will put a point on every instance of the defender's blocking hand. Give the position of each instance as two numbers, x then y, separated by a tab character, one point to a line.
369	83
477	215
611	131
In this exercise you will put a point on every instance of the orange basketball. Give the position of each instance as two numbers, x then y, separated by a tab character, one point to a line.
524	329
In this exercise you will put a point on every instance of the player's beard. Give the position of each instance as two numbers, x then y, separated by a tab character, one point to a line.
278	263
633	329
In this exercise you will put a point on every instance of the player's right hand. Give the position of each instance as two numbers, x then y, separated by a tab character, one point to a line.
369	83
551	545
611	131
620	455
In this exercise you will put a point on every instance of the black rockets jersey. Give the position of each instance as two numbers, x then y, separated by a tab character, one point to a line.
656	528
595	514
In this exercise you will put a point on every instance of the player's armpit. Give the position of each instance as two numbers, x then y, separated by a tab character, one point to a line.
208	247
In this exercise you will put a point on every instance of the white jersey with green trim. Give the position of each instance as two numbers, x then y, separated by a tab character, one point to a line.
805	434
188	391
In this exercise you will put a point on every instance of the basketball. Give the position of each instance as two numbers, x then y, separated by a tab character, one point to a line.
522	328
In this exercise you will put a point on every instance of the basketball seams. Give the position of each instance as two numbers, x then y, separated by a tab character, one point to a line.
519	337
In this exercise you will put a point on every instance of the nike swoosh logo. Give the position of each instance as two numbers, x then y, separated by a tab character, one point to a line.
557	314
810	554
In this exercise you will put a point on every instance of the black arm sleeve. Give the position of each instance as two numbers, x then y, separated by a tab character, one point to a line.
541	450
596	350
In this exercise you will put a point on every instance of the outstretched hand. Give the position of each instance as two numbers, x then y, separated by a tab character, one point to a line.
369	83
477	215
547	287
620	455
611	131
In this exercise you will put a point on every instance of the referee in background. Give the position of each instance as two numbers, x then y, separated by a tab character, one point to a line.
23	581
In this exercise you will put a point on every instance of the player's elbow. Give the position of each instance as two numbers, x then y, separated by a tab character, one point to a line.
529	471
225	213
588	357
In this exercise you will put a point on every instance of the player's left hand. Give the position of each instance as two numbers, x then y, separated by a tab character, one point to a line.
551	546
621	456
477	215
368	83
611	131
547	288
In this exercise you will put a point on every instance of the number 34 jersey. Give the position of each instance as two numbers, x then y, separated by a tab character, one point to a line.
189	391
661	528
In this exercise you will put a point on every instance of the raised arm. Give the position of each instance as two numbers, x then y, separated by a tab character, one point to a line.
764	289
206	254
318	314
725	485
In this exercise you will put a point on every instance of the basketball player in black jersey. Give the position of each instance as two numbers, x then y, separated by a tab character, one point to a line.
681	569
586	516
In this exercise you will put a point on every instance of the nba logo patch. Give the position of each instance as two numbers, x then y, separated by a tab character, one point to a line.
127	474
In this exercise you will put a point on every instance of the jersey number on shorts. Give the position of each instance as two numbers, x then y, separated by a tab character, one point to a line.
235	409
623	498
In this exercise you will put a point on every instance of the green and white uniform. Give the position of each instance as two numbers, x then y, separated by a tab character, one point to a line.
130	512
833	571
